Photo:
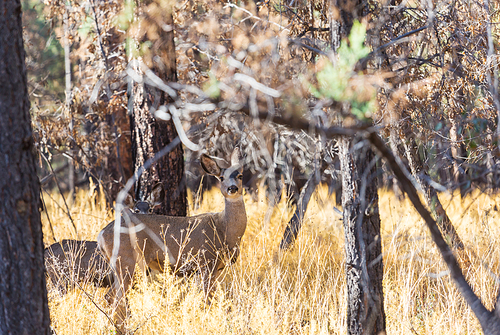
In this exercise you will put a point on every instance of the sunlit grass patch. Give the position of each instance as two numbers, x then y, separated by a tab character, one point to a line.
301	291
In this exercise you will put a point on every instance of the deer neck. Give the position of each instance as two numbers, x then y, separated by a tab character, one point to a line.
234	217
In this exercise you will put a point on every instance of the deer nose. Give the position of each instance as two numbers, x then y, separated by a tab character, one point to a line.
232	189
141	207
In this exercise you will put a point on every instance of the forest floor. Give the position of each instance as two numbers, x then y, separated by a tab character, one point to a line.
302	291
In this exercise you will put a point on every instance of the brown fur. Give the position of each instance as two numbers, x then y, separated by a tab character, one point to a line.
199	243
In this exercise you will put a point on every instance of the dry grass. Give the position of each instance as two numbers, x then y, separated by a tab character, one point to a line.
300	292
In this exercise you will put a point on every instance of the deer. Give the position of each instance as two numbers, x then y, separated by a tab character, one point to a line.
75	261
202	244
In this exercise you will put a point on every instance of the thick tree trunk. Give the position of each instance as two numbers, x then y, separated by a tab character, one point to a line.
150	135
363	248
23	295
363	243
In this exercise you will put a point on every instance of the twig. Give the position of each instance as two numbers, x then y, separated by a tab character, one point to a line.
47	178
88	170
99	39
62	195
256	85
363	61
91	300
299	42
254	17
48	218
312	29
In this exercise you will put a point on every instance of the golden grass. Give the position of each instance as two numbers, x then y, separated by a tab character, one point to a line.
302	291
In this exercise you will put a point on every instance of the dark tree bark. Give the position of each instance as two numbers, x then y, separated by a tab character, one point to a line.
395	183
150	135
363	245
23	295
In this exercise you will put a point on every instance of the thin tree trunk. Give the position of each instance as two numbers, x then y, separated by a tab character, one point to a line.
23	295
490	176
395	183
363	247
431	197
456	153
489	320
293	227
363	243
68	91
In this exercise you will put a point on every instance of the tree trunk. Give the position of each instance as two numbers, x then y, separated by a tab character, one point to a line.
293	227
489	320
116	166
456	153
363	243
68	91
363	247
150	135
491	178
23	295
431	197
395	183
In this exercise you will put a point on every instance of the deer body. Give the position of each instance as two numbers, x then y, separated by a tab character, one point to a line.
74	261
71	261
201	243
186	241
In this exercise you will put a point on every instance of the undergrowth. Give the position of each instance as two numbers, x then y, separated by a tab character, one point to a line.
302	291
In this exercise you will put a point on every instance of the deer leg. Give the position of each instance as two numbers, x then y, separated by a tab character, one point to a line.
210	276
116	296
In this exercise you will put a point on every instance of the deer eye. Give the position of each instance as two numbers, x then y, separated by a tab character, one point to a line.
240	177
221	178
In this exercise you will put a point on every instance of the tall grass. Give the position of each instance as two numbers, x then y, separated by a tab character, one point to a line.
299	292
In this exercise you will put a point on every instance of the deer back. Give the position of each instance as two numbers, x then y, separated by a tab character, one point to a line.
71	261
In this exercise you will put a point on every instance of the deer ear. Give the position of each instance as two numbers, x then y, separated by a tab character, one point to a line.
157	195
129	201
209	165
235	157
